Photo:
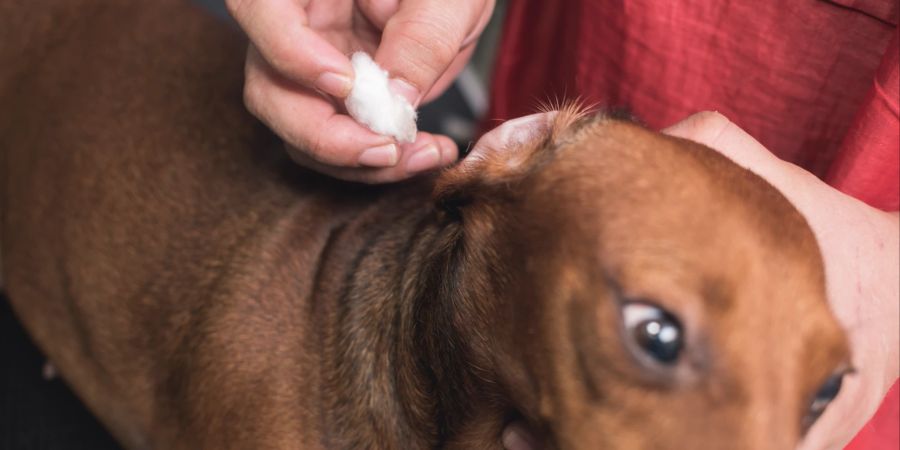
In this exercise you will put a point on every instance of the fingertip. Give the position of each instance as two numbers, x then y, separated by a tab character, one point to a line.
422	155
424	159
406	90
380	156
698	126
449	150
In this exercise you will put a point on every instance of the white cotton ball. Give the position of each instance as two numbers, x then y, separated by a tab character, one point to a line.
372	104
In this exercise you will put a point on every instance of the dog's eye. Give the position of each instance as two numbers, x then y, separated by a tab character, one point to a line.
823	398
654	331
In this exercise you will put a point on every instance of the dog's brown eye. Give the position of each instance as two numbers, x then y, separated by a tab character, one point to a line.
655	332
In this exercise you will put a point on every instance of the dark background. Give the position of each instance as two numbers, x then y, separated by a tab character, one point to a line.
37	414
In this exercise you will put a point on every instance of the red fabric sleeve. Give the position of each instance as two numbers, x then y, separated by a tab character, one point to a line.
868	164
883	431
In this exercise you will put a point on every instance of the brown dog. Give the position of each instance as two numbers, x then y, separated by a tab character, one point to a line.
609	286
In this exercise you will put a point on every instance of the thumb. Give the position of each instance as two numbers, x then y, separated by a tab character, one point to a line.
421	41
717	132
706	127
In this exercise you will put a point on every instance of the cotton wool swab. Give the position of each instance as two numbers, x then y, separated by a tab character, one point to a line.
372	103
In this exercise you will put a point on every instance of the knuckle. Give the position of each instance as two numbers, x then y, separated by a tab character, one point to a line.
278	56
323	149
340	142
316	149
283	59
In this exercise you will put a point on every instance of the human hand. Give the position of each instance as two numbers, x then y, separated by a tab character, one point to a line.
860	247
297	67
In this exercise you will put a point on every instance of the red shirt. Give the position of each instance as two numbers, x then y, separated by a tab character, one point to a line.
817	82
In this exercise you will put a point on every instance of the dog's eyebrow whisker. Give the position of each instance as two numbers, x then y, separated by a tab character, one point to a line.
468	149
571	116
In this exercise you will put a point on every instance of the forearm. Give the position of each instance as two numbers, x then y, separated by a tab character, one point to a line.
883	280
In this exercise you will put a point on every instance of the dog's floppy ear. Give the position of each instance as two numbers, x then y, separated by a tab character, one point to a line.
503	154
506	154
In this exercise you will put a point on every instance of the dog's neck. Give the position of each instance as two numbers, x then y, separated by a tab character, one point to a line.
398	368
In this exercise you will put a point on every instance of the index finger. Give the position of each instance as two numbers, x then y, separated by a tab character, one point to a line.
280	30
424	37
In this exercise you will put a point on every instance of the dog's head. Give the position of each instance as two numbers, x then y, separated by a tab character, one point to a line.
644	291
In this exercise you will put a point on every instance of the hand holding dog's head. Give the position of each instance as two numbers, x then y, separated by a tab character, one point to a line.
648	293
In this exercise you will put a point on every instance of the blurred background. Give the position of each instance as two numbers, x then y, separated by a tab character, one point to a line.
38	412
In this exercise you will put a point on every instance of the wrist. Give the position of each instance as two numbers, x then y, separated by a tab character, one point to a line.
875	319
886	289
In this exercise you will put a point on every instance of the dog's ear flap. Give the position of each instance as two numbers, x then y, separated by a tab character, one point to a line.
500	156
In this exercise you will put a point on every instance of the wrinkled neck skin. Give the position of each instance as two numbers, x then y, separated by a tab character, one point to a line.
398	369
414	333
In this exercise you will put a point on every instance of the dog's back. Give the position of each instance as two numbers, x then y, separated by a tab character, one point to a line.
124	138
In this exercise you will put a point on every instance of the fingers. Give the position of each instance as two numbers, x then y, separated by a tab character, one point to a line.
450	75
424	37
279	29
288	60
705	127
379	11
306	120
429	152
321	139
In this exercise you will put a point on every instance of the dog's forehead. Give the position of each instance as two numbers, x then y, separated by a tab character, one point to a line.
665	212
663	215
617	179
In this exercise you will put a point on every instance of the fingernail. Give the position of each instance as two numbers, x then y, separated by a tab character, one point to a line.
406	90
427	158
382	156
334	84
